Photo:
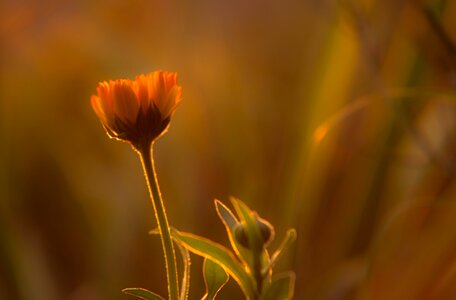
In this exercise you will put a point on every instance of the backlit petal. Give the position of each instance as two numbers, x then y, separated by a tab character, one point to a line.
137	110
125	103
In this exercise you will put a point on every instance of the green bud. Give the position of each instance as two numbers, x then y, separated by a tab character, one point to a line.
241	235
266	229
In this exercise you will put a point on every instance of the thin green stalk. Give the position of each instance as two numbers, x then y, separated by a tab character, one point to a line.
147	161
257	274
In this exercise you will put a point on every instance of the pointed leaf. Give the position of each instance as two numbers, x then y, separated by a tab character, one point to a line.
289	238
219	254
230	222
281	287
226	215
215	278
142	294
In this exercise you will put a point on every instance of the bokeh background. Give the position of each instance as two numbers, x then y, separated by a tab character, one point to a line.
337	118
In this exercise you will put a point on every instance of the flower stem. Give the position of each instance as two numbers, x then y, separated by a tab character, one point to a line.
147	161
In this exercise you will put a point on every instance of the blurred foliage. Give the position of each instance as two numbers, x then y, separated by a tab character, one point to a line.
333	117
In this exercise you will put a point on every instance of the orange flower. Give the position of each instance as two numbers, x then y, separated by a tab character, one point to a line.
137	111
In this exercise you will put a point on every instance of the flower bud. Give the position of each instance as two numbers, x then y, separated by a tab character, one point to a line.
137	111
267	231
240	235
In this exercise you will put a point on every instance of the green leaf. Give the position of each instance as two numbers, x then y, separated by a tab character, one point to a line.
281	287
289	238
226	215
142	294
219	254
215	278
230	222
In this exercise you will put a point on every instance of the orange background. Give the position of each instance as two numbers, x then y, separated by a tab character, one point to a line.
333	117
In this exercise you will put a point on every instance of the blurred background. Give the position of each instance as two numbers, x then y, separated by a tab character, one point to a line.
337	118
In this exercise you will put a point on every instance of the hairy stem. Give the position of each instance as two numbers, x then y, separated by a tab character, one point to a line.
147	160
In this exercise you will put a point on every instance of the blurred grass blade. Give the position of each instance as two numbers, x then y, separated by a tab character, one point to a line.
142	294
230	222
215	278
154	231
281	287
219	254
185	286
289	238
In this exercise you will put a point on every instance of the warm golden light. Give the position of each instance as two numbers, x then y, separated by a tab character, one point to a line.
320	133
337	118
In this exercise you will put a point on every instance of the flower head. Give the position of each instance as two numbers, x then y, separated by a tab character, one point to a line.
137	111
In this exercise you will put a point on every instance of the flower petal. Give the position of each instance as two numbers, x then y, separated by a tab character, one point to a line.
126	105
142	92
98	108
